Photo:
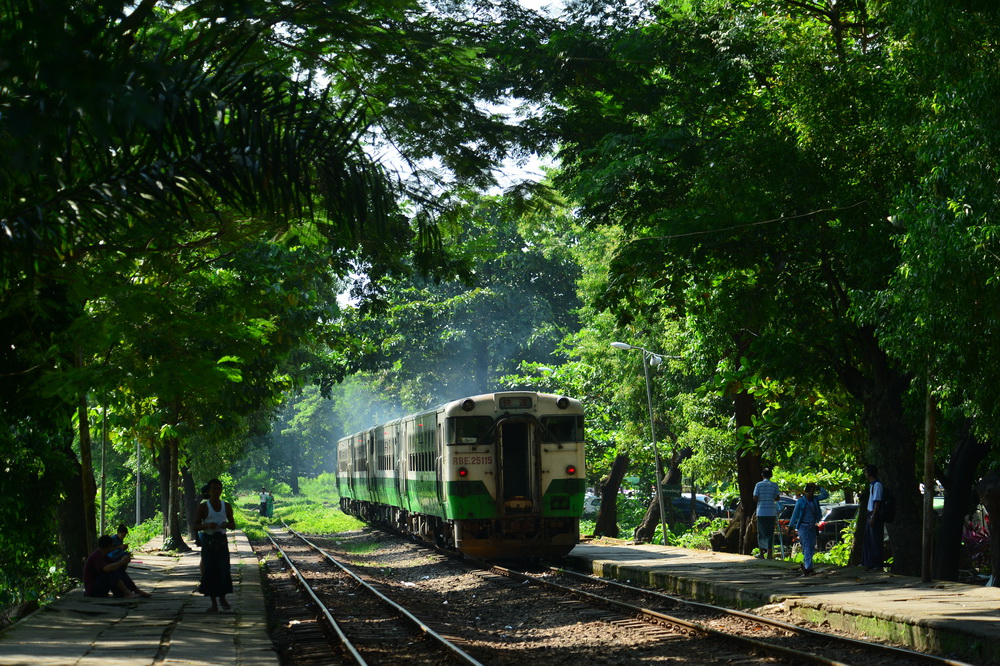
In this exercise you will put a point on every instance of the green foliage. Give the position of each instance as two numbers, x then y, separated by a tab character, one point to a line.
250	521
793	481
139	535
33	581
839	555
510	300
700	535
322	488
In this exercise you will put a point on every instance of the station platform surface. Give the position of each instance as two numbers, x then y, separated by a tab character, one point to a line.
172	627
950	619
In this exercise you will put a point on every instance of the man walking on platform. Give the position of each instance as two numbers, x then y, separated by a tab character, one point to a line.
766	494
871	549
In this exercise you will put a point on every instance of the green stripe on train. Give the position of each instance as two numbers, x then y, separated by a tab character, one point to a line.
469	499
564	498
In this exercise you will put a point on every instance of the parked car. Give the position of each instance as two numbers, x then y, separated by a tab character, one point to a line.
785	501
700	497
784	517
785	536
682	509
833	522
727	508
591	503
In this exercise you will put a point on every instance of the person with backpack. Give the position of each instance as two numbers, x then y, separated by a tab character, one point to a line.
871	548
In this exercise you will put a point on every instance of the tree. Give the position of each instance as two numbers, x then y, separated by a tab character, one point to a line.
115	125
713	133
513	300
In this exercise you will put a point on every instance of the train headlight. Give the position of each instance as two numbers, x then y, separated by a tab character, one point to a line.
462	472
562	403
468	405
571	469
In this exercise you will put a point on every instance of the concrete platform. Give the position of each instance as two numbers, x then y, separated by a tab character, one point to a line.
952	619
172	627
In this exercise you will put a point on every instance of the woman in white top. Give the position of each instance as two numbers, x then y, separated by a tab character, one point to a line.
213	518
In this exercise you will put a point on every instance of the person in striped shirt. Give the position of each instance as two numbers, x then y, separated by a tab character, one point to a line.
766	494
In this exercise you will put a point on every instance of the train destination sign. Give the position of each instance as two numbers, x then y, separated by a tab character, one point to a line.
515	402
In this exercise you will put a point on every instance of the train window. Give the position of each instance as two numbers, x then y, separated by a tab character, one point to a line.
568	428
471	430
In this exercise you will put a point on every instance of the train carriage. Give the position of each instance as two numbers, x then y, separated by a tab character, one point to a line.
494	475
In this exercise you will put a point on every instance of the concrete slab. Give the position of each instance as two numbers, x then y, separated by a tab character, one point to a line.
171	627
939	617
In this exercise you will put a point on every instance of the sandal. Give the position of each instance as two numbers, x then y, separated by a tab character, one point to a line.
225	605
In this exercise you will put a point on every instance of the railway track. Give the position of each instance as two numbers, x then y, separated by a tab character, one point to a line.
363	626
759	635
635	625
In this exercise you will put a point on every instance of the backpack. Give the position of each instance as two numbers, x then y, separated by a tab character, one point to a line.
888	507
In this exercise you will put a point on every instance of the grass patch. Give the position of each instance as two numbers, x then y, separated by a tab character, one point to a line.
250	522
304	514
314	511
140	535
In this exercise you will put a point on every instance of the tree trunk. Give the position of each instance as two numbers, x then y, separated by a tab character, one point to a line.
88	487
961	480
880	386
646	530
163	466
607	514
75	536
989	493
191	501
731	541
175	535
859	529
748	469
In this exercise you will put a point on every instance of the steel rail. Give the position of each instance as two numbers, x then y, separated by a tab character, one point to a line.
456	651
684	625
330	620
778	624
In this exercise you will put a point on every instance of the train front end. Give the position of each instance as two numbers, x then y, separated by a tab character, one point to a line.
513	475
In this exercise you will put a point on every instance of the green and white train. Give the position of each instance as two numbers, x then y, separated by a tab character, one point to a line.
498	475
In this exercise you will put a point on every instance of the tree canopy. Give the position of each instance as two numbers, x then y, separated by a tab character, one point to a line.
237	226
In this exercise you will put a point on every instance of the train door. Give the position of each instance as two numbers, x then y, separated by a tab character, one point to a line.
517	454
372	467
439	449
399	467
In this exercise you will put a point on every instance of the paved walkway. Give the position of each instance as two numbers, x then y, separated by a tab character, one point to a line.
171	628
939	617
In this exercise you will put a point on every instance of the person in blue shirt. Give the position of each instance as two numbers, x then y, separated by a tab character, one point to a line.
766	493
871	548
805	515
118	542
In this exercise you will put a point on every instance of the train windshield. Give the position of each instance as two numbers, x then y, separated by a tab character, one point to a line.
471	430
568	428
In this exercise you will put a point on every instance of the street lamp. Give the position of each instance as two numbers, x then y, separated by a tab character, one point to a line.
650	358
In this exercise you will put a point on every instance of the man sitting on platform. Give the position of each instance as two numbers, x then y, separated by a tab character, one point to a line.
101	574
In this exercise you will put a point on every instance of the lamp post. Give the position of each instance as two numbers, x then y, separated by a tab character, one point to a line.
651	358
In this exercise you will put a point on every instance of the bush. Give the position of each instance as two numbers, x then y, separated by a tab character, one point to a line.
700	535
140	535
322	488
